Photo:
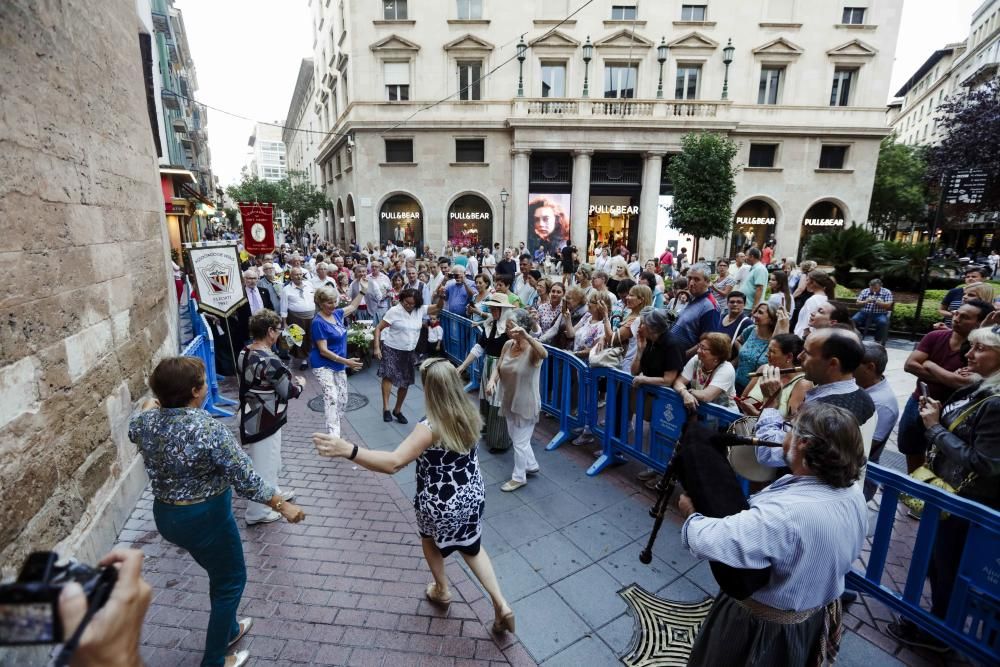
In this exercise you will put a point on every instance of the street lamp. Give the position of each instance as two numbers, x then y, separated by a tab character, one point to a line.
503	201
661	57
588	54
522	48
727	58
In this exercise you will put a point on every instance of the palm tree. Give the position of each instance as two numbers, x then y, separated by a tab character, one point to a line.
845	249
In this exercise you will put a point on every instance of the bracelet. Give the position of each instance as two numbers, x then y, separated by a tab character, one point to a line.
354	452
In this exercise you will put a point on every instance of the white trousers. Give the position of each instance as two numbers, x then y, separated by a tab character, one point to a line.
334	385
266	457
520	431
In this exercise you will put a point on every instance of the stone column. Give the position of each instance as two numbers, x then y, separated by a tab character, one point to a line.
517	222
580	200
649	202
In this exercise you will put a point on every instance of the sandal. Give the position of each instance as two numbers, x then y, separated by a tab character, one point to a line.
504	623
433	594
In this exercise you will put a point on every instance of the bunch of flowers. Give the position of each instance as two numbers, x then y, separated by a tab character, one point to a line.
361	335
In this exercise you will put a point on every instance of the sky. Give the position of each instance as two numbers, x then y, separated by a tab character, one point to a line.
247	55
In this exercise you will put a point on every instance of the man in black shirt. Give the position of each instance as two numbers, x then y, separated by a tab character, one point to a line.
507	266
569	264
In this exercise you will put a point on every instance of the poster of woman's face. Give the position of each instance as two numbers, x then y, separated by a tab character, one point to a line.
548	221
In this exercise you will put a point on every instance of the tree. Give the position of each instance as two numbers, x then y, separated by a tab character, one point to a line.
300	200
704	180
252	188
970	121
845	249
899	192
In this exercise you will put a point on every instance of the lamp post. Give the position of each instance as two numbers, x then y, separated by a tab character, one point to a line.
588	54
522	48
727	58
661	57
503	202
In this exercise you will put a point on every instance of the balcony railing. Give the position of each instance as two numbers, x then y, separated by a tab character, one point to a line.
616	108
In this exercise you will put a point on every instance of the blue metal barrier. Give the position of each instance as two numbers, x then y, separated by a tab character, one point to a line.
563	385
459	336
972	623
203	346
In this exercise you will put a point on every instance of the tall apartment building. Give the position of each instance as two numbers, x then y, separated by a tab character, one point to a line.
435	110
268	161
914	118
302	134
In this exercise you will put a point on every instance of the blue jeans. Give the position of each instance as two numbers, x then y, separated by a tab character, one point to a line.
910	436
208	532
863	320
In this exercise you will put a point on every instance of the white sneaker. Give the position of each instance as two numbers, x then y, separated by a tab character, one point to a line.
271	517
287	496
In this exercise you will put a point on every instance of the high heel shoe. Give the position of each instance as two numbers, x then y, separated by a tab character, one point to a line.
504	623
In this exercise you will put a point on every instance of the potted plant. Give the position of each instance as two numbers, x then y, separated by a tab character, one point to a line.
360	337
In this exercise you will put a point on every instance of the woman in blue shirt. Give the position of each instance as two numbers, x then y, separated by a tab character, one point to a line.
328	357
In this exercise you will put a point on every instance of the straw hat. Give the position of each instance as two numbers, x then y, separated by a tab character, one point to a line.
496	300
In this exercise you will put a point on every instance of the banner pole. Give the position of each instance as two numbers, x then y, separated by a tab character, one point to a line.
229	335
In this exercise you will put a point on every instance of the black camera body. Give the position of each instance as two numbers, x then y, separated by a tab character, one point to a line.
29	607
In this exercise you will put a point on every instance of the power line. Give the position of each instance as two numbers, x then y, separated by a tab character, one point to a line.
253	120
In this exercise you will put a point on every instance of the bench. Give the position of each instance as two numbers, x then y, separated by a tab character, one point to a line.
853	307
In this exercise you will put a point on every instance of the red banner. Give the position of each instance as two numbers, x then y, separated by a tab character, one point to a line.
258	227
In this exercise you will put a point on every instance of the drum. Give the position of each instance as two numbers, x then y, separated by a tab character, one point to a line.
743	458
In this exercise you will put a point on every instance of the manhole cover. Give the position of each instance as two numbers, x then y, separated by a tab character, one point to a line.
354	402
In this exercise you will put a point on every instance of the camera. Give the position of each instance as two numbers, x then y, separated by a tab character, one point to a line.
29	607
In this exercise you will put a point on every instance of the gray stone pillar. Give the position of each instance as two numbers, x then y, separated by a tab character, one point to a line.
648	206
580	200
517	224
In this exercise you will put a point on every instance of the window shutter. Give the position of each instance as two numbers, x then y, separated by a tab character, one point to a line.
397	74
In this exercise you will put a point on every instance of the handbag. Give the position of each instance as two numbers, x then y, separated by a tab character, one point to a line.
607	356
926	474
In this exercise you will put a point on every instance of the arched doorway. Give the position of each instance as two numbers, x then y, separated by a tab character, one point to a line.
753	225
401	220
352	229
470	222
339	223
824	216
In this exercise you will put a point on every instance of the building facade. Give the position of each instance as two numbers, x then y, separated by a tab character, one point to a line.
302	135
430	115
914	118
269	161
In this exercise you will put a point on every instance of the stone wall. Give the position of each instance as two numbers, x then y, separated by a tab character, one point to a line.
87	305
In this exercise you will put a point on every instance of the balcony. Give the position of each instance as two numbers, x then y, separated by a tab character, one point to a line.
557	108
170	100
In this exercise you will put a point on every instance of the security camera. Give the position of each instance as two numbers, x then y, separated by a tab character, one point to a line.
350	143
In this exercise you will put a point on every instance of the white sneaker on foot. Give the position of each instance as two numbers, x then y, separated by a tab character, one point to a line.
270	517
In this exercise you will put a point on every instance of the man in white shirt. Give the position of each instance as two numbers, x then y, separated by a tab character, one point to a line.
296	262
322	278
472	264
742	270
436	279
378	296
298	307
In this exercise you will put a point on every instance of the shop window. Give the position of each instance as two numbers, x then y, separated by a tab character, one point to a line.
554	79
843	82
853	16
470	150
686	85
619	81
470	222
470	9
762	155
832	157
469	75
399	150
623	12
769	91
693	12
400	220
394	10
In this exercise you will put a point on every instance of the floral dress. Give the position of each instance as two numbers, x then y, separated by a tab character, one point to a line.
450	498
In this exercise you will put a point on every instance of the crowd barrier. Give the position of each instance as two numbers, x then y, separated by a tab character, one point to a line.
203	347
571	390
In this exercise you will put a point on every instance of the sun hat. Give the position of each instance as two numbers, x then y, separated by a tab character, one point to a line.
496	300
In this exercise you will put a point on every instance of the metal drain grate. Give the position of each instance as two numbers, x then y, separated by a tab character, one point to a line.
354	402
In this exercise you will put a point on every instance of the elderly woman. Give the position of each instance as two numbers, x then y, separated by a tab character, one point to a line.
343	289
450	495
194	463
723	283
395	345
476	311
783	351
266	384
964	437
752	343
618	270
637	299
584	273
516	377
591	327
708	377
489	343
328	358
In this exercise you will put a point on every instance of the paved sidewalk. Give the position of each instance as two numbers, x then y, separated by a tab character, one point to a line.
346	586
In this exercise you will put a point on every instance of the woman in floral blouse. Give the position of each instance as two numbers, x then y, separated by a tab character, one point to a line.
194	463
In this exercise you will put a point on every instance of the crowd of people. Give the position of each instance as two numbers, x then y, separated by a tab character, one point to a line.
764	339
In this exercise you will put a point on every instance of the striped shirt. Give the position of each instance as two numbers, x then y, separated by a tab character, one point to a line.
882	296
807	531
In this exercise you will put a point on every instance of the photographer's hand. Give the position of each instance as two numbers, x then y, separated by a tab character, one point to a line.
111	639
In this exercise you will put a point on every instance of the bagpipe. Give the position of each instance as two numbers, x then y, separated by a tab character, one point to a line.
701	463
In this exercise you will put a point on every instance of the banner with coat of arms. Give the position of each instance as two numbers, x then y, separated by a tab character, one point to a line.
258	227
218	277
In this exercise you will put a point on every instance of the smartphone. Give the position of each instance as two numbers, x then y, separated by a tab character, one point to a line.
924	393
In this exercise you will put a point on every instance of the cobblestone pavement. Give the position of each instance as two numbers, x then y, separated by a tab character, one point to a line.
346	586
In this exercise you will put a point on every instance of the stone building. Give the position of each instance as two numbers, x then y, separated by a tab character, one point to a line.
88	305
434	109
301	134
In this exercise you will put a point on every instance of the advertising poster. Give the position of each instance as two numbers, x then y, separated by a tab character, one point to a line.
258	227
548	221
218	278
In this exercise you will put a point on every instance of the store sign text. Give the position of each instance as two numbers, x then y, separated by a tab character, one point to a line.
469	215
614	210
400	215
754	221
823	222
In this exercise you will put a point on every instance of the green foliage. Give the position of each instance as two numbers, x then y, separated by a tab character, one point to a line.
844	293
704	183
232	215
899	192
902	314
293	195
845	249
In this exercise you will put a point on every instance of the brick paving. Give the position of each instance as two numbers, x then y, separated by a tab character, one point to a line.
346	586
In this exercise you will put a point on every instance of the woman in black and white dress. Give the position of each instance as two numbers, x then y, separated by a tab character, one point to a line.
450	494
